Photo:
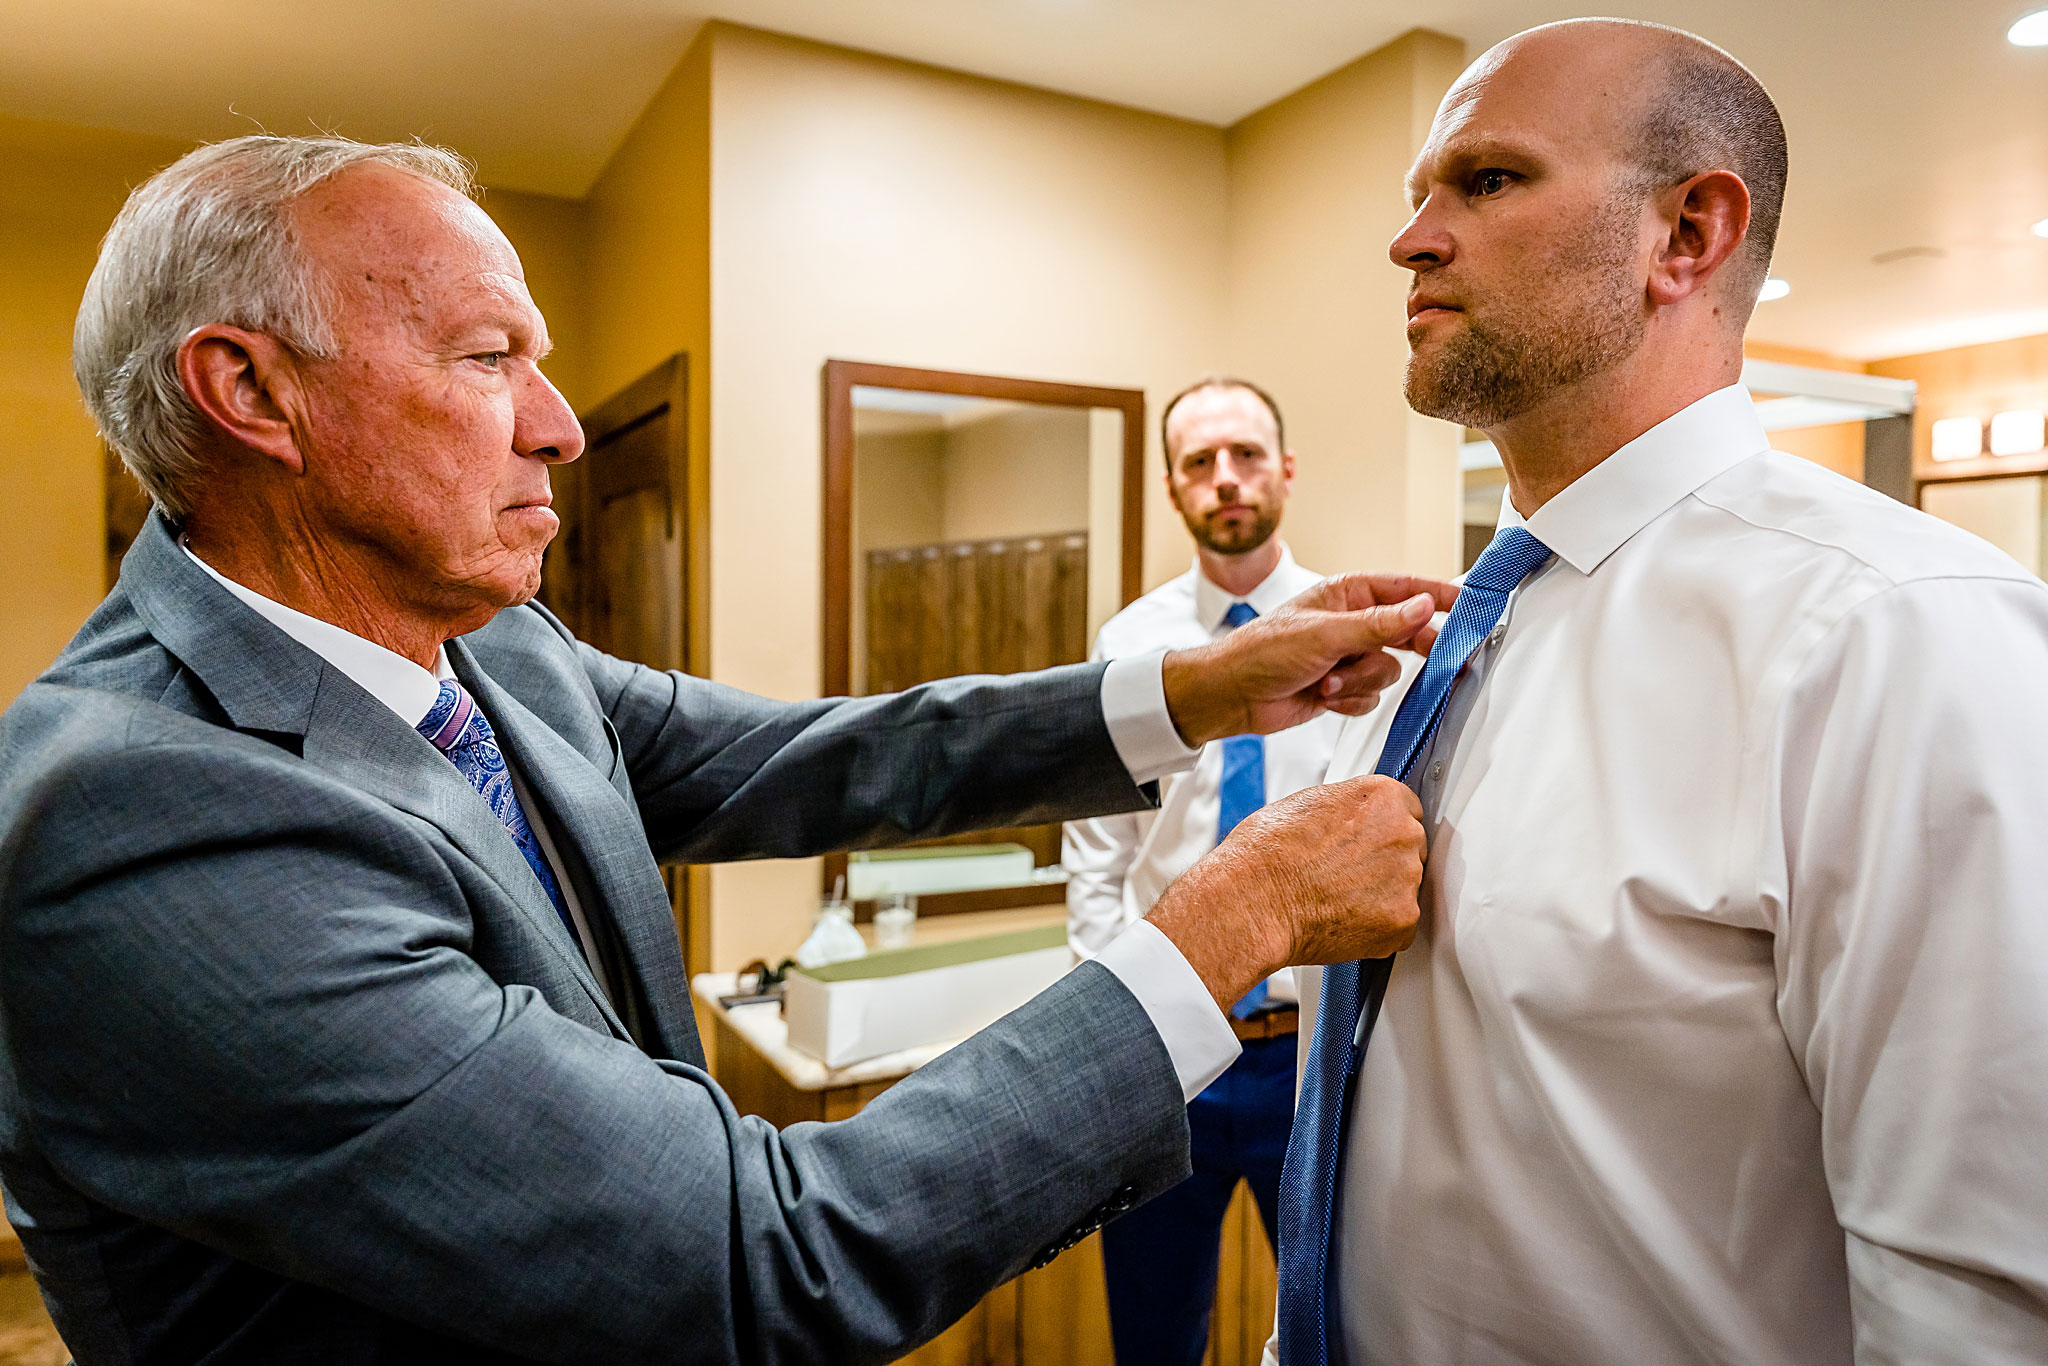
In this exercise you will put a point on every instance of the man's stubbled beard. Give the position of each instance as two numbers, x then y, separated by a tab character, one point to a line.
1492	371
1223	541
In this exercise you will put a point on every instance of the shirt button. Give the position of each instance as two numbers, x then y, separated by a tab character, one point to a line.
1436	771
1493	637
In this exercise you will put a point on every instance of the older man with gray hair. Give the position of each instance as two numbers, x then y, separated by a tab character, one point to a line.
344	1019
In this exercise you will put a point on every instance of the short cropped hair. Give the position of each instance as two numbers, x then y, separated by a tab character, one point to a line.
1708	113
1220	382
210	239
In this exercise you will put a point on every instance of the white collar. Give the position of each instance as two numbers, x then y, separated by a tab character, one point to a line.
389	677
1598	512
1212	602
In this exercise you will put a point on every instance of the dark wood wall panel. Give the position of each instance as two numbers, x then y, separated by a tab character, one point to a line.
998	606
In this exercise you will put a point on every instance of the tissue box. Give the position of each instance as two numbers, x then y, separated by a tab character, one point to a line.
947	868
900	998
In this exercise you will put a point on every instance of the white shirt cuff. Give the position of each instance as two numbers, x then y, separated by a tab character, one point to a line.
1197	1037
1134	709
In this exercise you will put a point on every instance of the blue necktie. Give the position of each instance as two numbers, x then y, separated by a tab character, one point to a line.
1352	991
1243	791
456	727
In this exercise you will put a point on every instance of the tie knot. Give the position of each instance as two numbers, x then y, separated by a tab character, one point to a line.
1512	556
453	716
1239	614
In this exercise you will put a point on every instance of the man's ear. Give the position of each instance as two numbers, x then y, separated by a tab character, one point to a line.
246	384
1705	220
1287	472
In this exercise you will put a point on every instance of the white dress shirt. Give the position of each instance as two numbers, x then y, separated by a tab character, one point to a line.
1197	1037
1725	1037
1118	865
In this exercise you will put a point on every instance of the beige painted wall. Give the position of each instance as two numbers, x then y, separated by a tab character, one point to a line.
647	242
1022	472
870	209
1316	308
1971	381
899	489
63	187
549	235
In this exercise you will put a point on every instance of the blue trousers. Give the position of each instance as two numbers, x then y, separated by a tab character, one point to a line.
1160	1259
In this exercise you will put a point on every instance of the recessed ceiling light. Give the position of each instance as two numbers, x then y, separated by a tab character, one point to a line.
2030	30
2041	228
1774	288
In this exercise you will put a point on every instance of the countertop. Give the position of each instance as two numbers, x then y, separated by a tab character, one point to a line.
761	1026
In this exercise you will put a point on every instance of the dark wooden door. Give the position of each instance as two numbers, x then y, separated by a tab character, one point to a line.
618	573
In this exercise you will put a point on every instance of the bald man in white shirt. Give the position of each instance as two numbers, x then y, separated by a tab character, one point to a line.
1725	1034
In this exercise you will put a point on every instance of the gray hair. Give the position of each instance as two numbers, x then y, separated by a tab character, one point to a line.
210	239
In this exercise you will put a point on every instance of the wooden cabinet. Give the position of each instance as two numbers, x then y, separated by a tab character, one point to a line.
1057	1315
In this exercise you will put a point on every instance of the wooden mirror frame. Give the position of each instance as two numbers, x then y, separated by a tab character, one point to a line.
840	377
836	665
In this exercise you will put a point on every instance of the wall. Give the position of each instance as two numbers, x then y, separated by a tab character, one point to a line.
647	244
1971	381
1316	307
1022	472
64	186
871	209
548	233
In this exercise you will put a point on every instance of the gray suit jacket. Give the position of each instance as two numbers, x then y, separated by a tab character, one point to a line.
299	1064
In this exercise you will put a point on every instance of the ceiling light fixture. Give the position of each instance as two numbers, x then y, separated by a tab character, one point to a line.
2041	228
1774	288
2030	30
1958	438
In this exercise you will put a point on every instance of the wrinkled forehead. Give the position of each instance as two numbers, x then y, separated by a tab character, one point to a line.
1564	98
401	246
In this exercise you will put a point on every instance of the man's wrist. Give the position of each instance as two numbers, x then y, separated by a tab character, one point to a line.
1201	711
1230	953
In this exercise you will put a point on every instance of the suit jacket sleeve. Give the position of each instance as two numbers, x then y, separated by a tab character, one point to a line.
241	1005
720	774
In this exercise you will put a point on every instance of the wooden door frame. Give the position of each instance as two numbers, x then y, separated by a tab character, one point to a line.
665	387
839	379
668	384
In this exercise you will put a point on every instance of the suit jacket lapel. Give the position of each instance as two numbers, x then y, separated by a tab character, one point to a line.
604	832
355	737
266	681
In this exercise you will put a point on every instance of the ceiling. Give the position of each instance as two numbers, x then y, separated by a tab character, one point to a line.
1919	137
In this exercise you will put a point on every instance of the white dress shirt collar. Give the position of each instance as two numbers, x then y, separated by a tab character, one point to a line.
1212	602
1599	511
389	677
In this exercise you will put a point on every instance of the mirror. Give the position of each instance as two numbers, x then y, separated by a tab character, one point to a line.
973	524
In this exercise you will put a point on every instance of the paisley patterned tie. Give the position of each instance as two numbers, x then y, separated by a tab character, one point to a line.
458	729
